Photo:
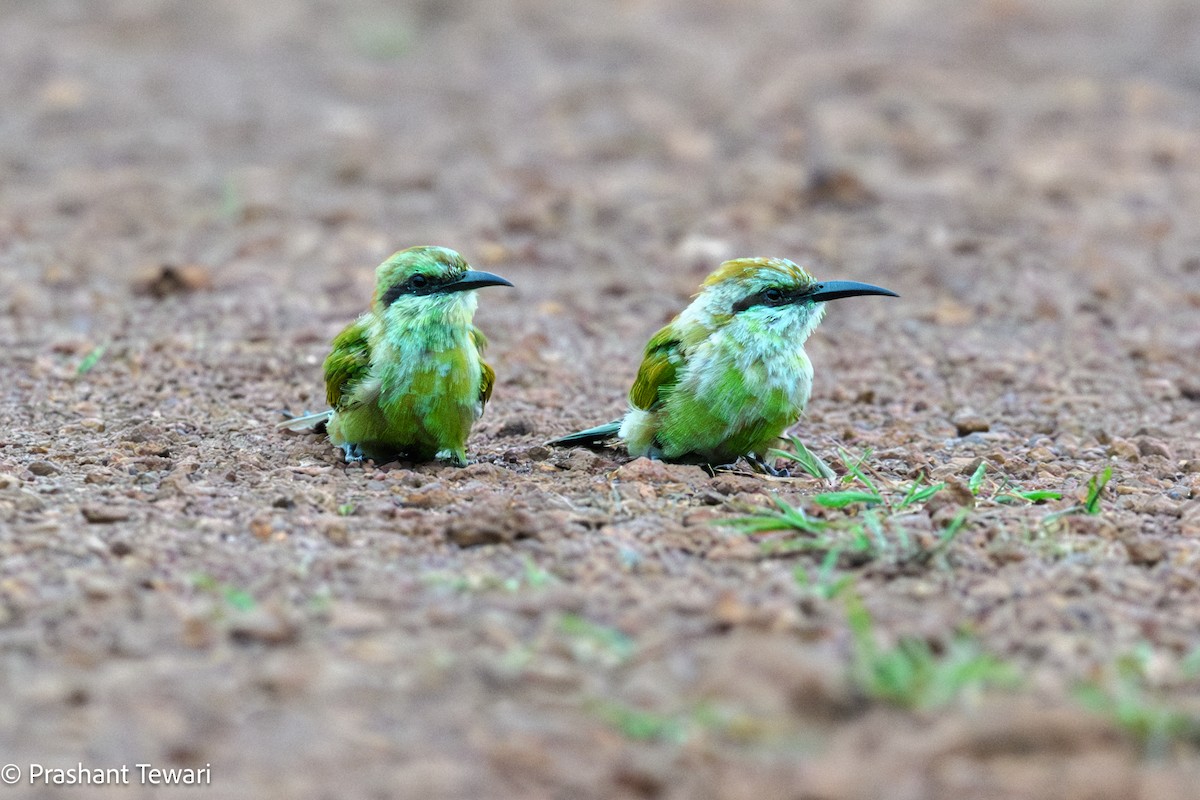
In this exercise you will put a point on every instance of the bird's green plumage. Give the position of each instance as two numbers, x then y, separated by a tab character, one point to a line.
661	362
729	375
718	396
347	363
407	379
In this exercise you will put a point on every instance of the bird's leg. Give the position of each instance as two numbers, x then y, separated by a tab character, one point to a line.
457	458
759	464
713	469
354	453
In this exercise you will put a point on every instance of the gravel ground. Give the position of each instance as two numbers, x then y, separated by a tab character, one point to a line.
193	198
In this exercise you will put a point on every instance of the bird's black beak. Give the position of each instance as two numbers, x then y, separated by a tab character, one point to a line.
475	279
836	290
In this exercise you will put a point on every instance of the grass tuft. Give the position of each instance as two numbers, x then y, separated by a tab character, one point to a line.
912	675
1126	698
809	461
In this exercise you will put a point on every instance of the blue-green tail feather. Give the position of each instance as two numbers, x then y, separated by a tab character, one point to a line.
588	438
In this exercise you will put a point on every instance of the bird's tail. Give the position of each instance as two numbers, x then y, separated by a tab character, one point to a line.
307	422
589	438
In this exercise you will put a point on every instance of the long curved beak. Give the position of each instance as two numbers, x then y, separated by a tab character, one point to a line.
836	290
475	279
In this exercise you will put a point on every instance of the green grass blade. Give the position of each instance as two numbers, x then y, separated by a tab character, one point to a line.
90	360
808	461
976	481
854	468
843	499
1096	486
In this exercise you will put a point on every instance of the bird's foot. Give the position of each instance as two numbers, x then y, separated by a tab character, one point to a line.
759	464
353	453
452	457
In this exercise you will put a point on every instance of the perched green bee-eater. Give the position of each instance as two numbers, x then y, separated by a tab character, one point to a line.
407	379
729	375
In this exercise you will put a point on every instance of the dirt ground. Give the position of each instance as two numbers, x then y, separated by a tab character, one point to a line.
193	198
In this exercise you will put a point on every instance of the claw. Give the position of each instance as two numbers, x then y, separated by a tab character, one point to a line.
757	464
353	452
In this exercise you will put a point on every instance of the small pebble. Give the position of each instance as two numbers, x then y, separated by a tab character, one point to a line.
100	514
968	422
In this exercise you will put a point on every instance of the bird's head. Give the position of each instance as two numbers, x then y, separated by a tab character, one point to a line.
433	283
772	293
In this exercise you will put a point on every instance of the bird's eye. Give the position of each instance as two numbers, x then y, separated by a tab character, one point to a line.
773	295
418	281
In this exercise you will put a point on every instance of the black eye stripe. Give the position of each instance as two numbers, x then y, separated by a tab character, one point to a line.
771	296
394	291
426	285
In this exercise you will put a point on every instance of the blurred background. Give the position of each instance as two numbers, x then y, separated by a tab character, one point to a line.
193	198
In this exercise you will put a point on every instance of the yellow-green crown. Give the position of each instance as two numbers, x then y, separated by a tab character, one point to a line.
438	263
748	272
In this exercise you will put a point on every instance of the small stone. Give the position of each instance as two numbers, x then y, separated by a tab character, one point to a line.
1092	525
92	424
433	496
1152	447
539	452
1160	389
260	528
953	496
729	611
168	279
553	675
838	187
44	468
97	476
730	484
262	625
1189	519
491	526
516	427
967	422
647	470
1123	449
99	514
1041	454
949	312
335	531
198	631
1144	552
98	587
991	591
580	459
702	516
356	618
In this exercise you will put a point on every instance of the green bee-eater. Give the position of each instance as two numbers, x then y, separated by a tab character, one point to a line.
729	375
407	379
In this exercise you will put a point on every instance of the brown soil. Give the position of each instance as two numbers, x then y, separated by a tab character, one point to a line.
203	191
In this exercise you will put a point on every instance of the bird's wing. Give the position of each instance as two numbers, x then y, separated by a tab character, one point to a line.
487	375
347	364
664	356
